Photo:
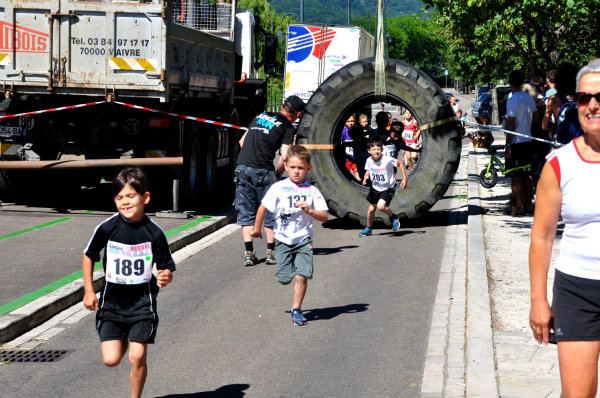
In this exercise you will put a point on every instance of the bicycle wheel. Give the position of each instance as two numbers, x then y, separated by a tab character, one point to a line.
490	180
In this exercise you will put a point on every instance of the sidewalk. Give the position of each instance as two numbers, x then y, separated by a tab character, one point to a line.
480	344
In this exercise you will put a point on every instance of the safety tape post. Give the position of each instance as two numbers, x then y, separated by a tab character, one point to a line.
488	127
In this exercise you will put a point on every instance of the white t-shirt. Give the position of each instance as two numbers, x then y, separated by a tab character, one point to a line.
382	173
292	225
521	106
579	254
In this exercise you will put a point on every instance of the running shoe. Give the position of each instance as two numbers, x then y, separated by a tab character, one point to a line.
297	318
249	258
366	232
271	260
395	224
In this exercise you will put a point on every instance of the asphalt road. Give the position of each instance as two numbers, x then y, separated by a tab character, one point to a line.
40	243
225	330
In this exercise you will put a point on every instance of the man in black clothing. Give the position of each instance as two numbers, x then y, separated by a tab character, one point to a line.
255	172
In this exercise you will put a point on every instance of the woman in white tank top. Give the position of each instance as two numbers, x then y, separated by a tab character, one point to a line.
569	187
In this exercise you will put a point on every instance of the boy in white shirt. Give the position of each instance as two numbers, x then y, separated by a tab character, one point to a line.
380	169
294	202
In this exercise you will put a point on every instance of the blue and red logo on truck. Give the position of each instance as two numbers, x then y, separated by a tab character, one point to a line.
304	41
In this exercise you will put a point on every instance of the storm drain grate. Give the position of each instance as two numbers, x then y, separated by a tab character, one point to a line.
9	356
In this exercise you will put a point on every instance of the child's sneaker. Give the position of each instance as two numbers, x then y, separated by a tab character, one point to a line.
249	258
395	224
271	260
297	318
366	232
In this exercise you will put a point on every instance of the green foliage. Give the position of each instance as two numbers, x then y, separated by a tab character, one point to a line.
413	39
332	12
489	38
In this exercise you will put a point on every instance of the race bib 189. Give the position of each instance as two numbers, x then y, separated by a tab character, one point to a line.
128	264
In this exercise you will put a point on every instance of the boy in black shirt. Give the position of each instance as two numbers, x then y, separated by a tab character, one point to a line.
132	243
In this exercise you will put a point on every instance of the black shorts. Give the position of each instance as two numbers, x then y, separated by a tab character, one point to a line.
576	308
521	154
373	196
142	331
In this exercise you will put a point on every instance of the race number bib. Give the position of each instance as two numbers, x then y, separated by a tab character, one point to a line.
128	264
379	177
390	150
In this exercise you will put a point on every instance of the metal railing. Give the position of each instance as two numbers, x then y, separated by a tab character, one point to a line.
202	15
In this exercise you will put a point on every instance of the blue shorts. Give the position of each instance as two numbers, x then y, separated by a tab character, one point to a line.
251	185
294	260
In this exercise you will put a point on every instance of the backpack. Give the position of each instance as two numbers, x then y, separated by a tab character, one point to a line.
567	124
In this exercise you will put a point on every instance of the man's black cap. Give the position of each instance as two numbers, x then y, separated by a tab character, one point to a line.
294	104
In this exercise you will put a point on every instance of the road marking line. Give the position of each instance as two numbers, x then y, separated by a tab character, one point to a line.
41	226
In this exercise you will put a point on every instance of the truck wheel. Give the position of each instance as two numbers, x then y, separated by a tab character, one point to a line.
352	88
200	171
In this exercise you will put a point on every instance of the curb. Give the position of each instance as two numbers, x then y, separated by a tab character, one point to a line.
33	314
480	367
460	358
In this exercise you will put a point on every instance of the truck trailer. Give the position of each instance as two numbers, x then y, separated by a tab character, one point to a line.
111	83
314	52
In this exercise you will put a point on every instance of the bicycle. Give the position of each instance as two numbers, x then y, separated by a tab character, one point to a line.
488	178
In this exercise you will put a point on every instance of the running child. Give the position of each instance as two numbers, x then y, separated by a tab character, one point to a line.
380	170
294	202
132	243
364	123
347	139
412	137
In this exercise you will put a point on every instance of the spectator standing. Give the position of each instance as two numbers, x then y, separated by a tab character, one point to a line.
455	105
521	112
255	172
551	84
560	115
566	189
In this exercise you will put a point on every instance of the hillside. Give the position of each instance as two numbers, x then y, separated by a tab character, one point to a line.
336	11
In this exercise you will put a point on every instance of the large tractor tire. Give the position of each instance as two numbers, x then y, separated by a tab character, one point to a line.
352	88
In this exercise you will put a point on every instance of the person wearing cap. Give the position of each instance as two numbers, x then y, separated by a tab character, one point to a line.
256	172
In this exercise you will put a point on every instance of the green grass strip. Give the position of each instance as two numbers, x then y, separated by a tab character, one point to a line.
188	225
28	298
41	226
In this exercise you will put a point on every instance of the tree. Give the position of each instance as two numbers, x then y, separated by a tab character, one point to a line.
414	39
489	38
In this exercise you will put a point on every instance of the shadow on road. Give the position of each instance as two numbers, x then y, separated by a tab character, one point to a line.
321	251
228	391
318	314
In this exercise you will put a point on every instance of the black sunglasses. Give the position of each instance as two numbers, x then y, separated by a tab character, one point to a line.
585	98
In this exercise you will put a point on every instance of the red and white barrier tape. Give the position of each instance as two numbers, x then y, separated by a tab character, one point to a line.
63	108
197	119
